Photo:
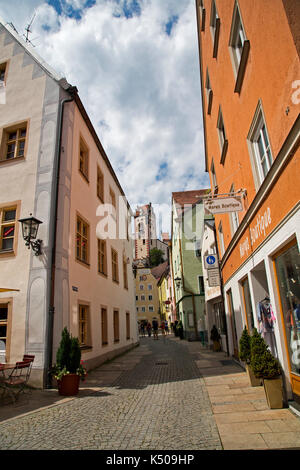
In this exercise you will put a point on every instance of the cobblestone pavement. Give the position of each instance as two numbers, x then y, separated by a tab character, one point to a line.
153	397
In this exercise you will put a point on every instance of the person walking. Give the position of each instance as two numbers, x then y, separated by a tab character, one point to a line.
149	328
143	329
166	327
155	328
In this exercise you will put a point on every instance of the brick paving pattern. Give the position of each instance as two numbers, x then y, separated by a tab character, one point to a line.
154	397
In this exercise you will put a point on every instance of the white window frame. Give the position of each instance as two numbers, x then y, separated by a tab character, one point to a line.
234	217
222	136
221	238
258	131
237	38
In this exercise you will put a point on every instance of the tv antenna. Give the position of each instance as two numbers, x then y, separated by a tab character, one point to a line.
28	30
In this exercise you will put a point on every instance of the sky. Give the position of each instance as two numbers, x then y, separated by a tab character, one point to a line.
135	64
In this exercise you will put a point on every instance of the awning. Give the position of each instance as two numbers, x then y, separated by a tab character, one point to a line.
5	289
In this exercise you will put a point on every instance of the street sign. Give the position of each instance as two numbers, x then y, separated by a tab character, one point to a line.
221	205
213	277
210	262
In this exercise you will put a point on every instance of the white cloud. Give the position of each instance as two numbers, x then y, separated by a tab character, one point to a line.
140	86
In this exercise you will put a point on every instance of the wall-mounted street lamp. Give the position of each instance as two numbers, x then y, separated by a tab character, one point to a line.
30	227
177	282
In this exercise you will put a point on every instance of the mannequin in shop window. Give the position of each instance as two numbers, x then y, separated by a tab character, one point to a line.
293	325
266	321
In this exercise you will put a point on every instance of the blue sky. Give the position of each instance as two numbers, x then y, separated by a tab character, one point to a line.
135	64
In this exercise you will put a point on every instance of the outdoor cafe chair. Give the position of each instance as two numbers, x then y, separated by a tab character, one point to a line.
14	384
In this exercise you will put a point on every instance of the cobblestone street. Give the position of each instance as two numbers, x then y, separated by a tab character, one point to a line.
163	395
156	399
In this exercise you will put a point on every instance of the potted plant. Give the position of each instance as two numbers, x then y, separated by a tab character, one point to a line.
215	337
267	367
245	356
69	367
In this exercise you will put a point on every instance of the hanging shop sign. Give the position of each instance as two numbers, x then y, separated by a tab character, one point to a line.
211	262
223	205
213	277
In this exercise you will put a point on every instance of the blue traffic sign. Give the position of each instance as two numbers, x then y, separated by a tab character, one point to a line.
210	259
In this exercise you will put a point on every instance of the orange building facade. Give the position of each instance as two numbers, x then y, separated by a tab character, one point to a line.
250	82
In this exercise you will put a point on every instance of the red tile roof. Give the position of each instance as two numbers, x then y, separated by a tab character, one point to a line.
189	197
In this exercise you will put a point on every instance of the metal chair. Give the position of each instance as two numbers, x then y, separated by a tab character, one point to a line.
17	380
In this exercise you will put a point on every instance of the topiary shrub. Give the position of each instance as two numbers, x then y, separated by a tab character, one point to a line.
68	357
263	363
245	346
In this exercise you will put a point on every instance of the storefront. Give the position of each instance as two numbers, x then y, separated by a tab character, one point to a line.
264	293
287	269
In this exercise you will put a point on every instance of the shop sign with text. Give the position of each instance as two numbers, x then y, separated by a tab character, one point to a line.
223	205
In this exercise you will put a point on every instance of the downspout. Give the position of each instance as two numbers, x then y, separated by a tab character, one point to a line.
53	223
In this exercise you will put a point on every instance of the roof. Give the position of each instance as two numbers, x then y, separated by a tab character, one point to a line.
158	271
189	197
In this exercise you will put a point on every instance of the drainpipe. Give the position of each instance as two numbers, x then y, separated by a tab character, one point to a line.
53	219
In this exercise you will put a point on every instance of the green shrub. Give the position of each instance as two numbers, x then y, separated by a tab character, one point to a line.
245	346
68	357
263	363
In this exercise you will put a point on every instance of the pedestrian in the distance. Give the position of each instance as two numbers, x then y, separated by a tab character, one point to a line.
166	327
149	329
155	329
143	329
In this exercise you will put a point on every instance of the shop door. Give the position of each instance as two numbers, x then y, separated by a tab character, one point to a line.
287	268
248	305
233	325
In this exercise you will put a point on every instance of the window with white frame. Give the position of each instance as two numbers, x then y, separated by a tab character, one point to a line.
222	136
260	149
234	218
214	27
221	239
209	93
213	177
239	47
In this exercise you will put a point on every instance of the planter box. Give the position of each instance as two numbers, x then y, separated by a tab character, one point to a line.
68	385
254	381
274	392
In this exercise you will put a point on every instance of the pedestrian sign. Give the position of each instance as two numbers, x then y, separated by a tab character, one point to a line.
211	261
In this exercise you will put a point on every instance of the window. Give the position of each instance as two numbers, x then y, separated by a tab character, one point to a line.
239	48
150	297
3	330
112	197
260	149
222	137
201	284
83	325
115	265
221	239
202	14
7	228
102	257
141	287
136	297
234	217
149	286
209	93
142	297
213	178
127	325
84	159
116	326
82	241
125	275
2	74
151	308
104	326
143	309
13	142
100	184
214	28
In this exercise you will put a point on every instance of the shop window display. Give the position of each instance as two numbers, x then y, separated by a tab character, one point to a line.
288	274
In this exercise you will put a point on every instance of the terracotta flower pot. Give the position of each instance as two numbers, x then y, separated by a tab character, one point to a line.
274	393
68	385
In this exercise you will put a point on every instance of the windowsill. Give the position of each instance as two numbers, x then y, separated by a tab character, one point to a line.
9	253
102	274
104	343
116	340
84	176
224	151
116	282
86	348
11	160
84	263
242	66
